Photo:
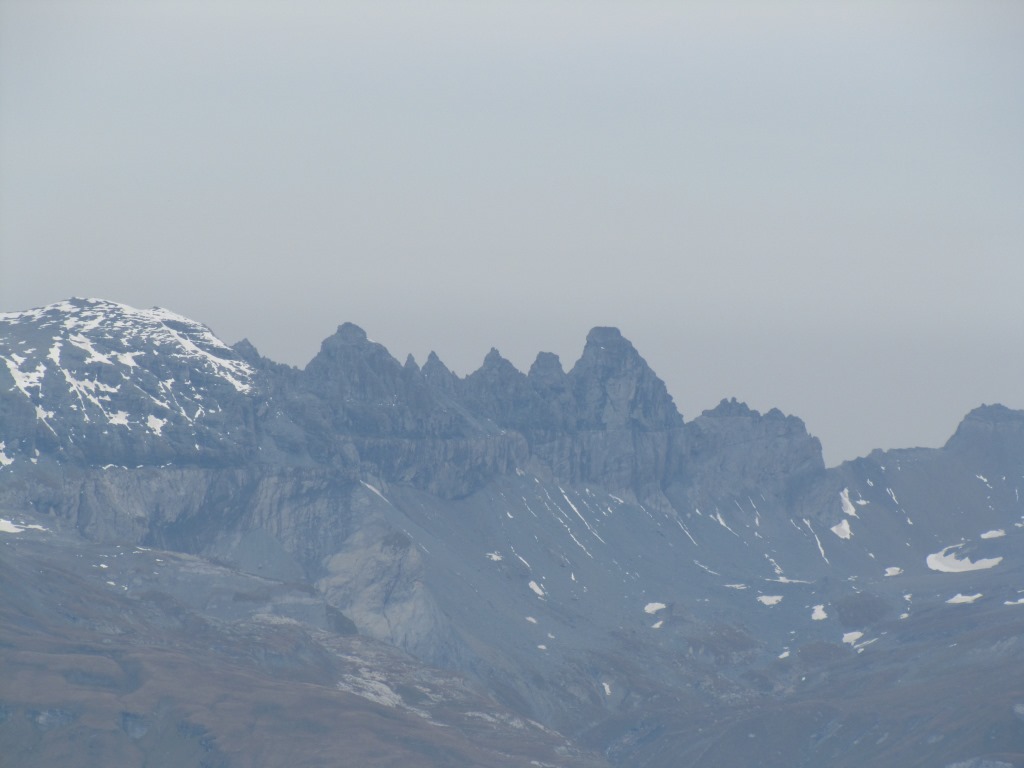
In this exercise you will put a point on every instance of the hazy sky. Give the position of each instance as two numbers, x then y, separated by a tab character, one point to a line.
817	206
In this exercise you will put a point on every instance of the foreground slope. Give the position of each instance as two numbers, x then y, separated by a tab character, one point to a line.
563	541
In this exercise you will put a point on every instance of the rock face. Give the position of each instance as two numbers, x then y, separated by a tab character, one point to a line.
564	541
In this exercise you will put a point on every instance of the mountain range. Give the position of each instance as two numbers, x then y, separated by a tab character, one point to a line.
209	558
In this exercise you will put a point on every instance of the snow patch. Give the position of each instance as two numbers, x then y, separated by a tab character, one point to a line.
128	359
657	624
364	686
25	380
85	345
537	589
607	689
996	534
155	424
850	638
818	614
959	598
494	556
5	460
653	608
769	599
842	530
948	563
893	570
787	580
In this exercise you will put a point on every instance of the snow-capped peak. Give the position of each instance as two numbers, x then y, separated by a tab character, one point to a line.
87	364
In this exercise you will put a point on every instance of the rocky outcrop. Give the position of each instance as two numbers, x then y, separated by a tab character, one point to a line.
990	433
732	447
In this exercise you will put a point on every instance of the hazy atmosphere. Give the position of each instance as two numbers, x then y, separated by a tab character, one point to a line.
815	207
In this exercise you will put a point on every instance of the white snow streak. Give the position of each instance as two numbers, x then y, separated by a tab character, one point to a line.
718	516
848	508
583	519
370	487
821	549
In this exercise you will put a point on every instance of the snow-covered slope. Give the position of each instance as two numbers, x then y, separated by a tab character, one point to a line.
107	383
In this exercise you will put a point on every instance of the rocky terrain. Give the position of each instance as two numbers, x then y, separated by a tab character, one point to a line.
208	558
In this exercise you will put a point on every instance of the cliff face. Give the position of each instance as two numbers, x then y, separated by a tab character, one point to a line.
609	420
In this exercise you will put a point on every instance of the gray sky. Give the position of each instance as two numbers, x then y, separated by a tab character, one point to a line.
814	206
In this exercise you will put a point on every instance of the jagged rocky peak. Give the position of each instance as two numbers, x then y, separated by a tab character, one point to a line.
616	389
247	351
736	441
349	365
989	429
367	392
732	415
496	367
502	392
348	333
558	410
731	408
547	367
437	375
